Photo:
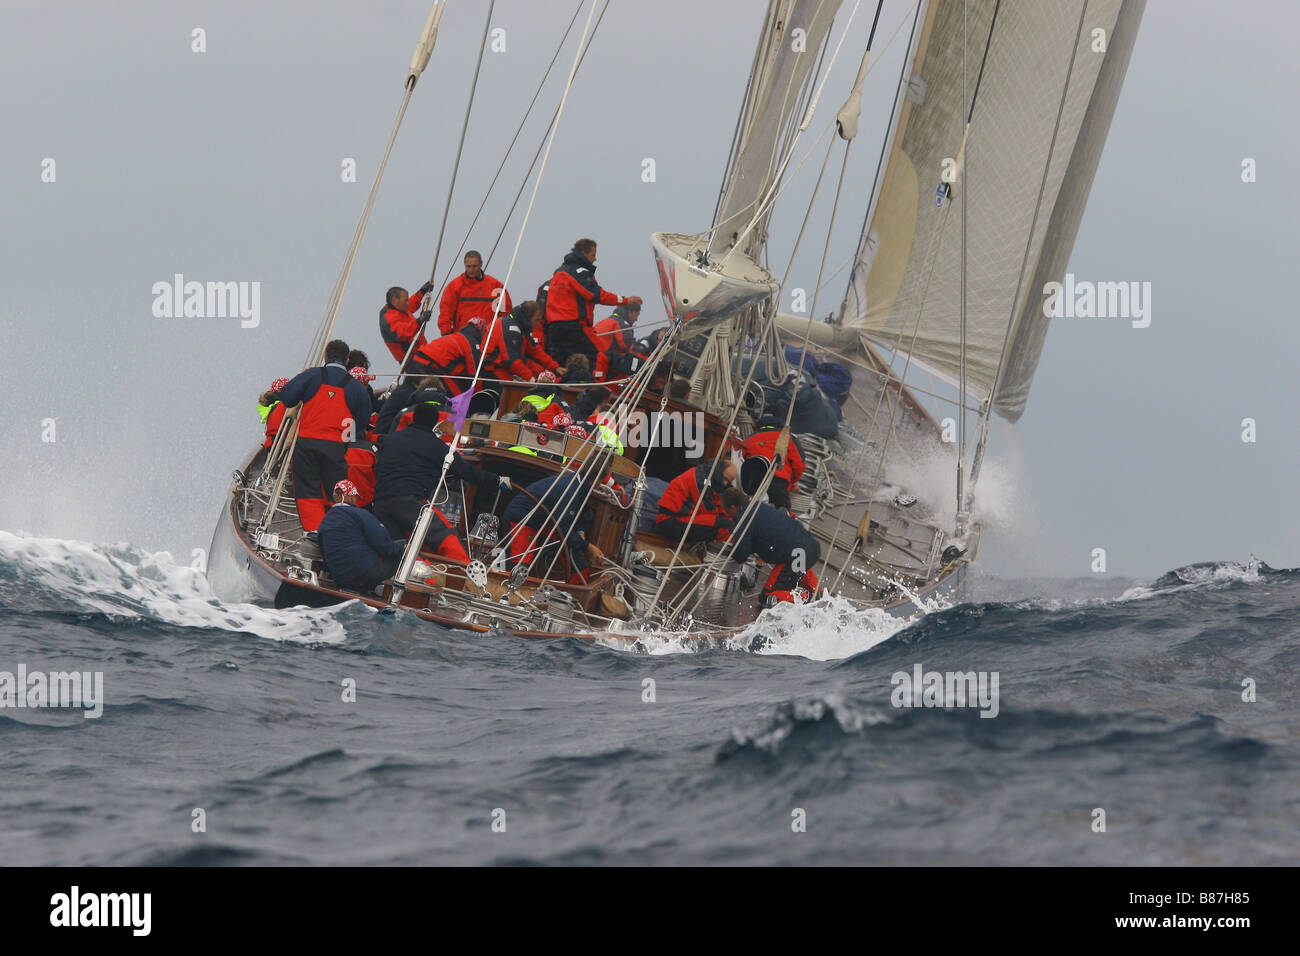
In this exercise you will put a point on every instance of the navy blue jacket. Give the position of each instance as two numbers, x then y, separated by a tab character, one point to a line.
411	461
306	384
554	492
353	541
773	535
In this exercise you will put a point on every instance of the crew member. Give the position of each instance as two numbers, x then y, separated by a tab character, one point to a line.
271	410
572	295
397	322
781	541
521	347
359	367
590	401
613	337
472	293
577	370
539	323
556	506
710	522
762	444
545	402
452	356
425	391
645	347
335	410
361	457
410	464
359	553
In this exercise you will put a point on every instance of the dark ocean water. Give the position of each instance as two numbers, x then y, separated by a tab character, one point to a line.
1112	695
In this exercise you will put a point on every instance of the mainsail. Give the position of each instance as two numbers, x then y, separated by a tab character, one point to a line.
1048	76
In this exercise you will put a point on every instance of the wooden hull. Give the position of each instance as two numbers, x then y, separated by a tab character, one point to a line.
238	573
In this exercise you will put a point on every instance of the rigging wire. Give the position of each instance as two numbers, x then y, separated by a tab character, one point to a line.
287	438
510	148
413	547
460	146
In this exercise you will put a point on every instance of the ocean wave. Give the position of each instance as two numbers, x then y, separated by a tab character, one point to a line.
1207	575
829	628
122	583
818	725
828	714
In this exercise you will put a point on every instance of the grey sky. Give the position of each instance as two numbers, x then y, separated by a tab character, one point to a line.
225	166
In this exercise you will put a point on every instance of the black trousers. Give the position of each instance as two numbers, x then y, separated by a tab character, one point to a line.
318	465
778	493
384	569
399	515
565	338
672	528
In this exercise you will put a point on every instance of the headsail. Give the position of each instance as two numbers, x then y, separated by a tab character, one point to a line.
695	283
905	292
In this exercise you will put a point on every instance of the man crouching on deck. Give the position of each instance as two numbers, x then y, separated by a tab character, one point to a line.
358	550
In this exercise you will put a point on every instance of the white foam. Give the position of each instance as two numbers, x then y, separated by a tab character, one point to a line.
127	583
1216	575
828	629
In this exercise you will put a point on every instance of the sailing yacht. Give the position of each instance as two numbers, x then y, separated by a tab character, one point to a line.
999	116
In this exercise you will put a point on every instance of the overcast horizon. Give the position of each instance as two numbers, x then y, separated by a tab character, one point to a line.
225	165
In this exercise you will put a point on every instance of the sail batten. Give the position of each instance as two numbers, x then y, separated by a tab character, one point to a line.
1038	124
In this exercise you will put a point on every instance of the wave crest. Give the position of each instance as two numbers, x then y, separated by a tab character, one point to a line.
125	583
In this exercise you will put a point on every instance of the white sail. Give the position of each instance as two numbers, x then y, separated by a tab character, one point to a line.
1046	94
708	277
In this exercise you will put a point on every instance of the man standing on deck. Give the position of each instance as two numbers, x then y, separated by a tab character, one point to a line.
271	409
358	551
335	411
397	322
570	299
472	293
406	474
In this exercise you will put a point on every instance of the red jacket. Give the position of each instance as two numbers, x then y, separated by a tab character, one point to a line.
573	292
465	298
398	327
612	337
518	352
501	363
546	407
451	355
762	444
537	358
334	404
682	493
361	458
